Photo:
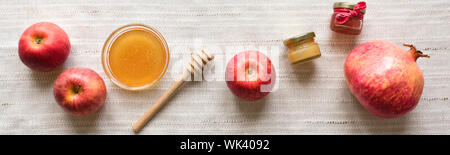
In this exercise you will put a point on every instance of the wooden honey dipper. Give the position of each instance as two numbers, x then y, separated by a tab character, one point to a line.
197	63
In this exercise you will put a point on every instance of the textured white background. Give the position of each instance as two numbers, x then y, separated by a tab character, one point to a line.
312	98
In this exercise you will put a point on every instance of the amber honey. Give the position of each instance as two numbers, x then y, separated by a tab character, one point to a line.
135	57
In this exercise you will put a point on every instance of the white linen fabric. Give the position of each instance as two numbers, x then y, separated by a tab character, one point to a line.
310	98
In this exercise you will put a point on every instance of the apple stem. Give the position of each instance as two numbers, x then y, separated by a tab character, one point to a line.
77	89
416	53
249	71
38	40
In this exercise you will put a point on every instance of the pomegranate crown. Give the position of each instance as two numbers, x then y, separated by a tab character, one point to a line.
415	52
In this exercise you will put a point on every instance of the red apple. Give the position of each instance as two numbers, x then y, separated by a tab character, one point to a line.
250	75
79	91
44	46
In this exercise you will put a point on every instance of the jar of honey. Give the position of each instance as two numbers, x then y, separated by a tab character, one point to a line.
135	57
302	48
348	18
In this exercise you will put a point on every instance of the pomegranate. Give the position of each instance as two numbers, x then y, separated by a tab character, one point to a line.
385	78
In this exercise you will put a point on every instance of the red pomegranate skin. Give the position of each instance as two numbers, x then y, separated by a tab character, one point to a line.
385	78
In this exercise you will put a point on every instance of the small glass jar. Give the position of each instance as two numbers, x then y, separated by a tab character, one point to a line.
353	24
302	48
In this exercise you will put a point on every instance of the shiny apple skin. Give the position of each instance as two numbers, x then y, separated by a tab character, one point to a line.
50	53
90	97
384	78
250	87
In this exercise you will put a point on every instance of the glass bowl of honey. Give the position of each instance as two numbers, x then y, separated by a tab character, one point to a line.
135	57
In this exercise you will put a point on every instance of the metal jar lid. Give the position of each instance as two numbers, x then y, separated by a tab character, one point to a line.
299	38
346	5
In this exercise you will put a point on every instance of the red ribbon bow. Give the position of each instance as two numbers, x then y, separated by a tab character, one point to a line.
344	14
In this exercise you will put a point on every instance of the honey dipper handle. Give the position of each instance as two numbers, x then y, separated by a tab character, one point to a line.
158	104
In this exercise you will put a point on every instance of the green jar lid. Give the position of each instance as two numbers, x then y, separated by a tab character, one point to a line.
346	5
299	38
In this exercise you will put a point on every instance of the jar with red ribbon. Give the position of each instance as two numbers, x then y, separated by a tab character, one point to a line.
348	18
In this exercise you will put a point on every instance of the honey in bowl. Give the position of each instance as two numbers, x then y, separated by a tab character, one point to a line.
135	57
